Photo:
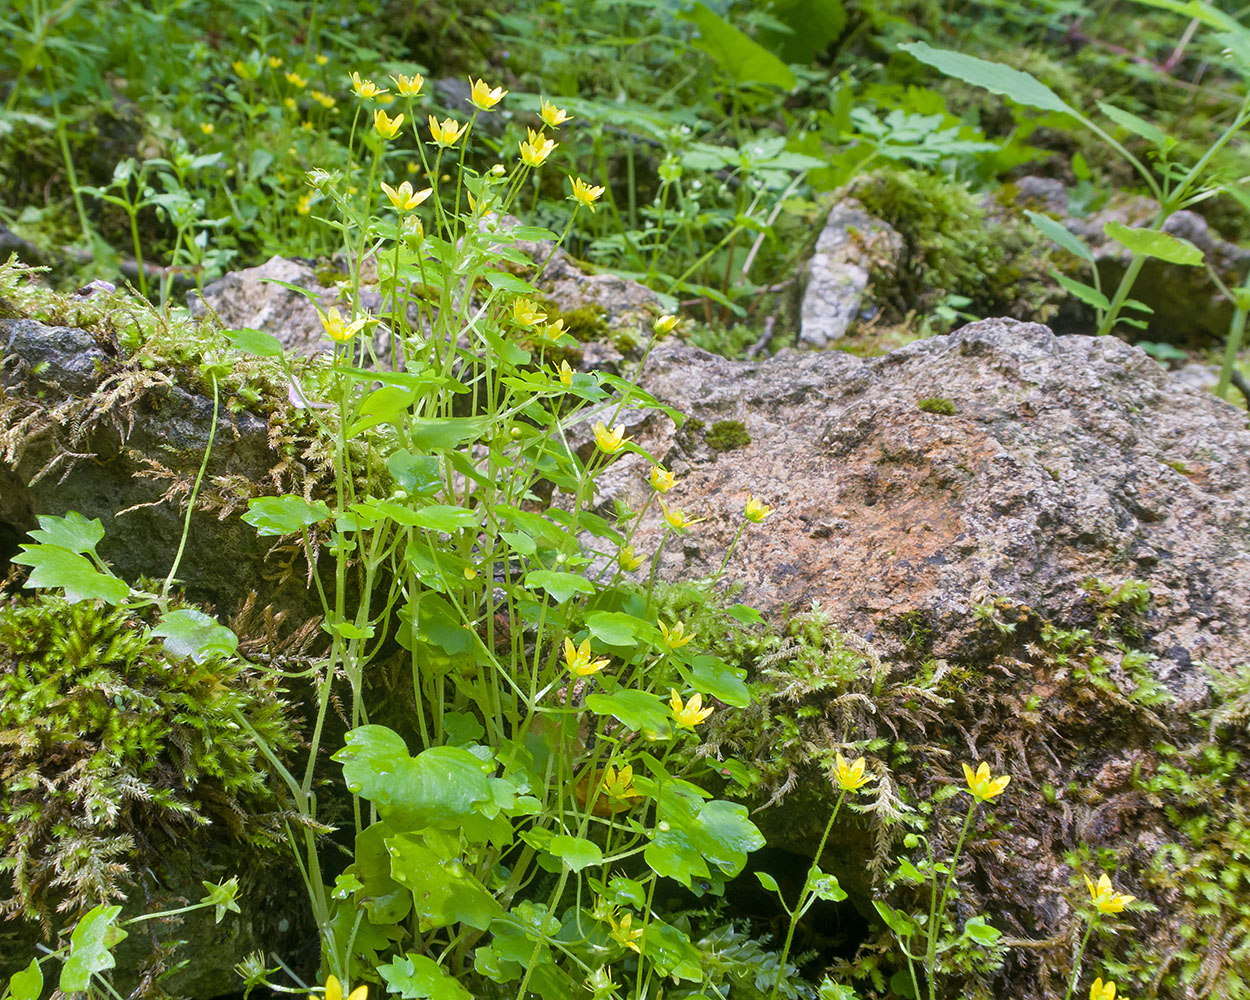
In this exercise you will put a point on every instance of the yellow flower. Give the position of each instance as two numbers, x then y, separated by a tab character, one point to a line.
1105	898
677	519
981	785
325	100
446	134
295	80
470	573
334	991
579	659
850	776
482	97
409	86
526	312
553	116
691	713
624	932
290	103
304	205
274	62
552	331
365	88
242	69
536	149
628	559
756	511
386	99
566	373
339	331
404	198
585	194
609	440
321	59
662	479
1103	991
619	785
206	128
384	126
664	325
676	637
306	126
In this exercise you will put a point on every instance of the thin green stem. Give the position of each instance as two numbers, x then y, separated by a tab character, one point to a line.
935	917
1076	968
195	490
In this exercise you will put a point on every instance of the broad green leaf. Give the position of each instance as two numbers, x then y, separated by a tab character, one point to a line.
1021	87
52	566
712	675
255	342
825	887
1154	243
446	432
981	932
725	835
1060	234
416	977
418	474
745	614
27	984
439	625
439	787
745	60
502	281
616	628
672	951
73	532
636	710
768	882
443	891
560	586
386	405
188	632
443	517
284	515
521	543
1086	293
813	26
896	921
576	852
1138	126
95	934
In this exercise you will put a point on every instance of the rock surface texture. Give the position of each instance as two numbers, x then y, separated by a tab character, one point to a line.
850	245
947	506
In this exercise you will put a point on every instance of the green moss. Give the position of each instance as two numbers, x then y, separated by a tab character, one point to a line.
937	404
727	435
106	743
952	248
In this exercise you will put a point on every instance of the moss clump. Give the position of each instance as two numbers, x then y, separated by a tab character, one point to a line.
952	248
937	404
108	745
726	435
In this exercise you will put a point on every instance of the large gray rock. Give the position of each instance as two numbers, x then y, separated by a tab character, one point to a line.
851	245
947	506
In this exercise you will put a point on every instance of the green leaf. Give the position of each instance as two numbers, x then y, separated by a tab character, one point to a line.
446	432
27	984
896	921
502	281
255	342
560	586
636	710
52	566
768	882
1154	243
1060	234
73	532
418	474
813	26
829	990
437	788
1021	87
443	891
576	852
95	934
443	517
1138	126
284	515
386	405
672	952
439	624
616	628
712	675
745	614
745	60
981	932
415	977
825	887
1086	293
188	632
